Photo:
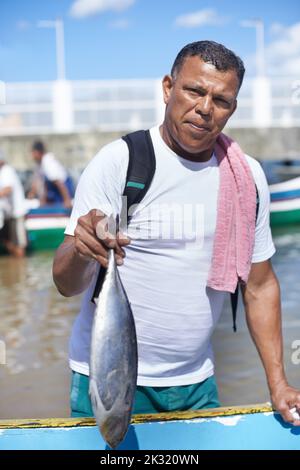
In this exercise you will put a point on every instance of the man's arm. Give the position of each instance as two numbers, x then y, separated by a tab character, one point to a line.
4	192
37	189
263	312
64	193
77	258
72	272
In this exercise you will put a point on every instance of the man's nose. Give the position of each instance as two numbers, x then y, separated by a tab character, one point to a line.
204	106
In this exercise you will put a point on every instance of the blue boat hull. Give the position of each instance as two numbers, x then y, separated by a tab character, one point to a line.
258	430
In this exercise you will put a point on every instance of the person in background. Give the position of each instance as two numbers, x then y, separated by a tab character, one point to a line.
12	211
52	184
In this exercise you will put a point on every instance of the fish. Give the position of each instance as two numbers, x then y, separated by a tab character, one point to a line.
113	359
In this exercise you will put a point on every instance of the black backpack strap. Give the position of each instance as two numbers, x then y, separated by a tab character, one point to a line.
99	283
257	203
234	304
140	172
235	296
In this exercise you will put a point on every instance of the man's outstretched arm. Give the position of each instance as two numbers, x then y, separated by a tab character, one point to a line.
77	258
263	313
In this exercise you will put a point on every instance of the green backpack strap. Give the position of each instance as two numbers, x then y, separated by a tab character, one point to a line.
235	296
140	172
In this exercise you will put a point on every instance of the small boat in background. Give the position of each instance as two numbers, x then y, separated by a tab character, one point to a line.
246	428
285	202
288	171
45	226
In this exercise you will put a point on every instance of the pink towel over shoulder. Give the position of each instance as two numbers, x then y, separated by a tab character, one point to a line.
235	229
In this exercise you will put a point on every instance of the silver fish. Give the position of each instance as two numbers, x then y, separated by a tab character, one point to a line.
113	361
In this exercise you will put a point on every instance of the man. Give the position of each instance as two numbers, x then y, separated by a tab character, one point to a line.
165	278
12	211
52	184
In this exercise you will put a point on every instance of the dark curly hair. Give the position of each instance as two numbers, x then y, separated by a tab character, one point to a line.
213	53
39	146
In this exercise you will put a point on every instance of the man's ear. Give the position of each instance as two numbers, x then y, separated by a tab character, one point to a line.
167	85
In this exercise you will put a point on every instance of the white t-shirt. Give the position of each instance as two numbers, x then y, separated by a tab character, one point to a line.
12	205
52	169
164	275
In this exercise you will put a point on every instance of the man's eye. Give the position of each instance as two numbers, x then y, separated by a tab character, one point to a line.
222	101
193	91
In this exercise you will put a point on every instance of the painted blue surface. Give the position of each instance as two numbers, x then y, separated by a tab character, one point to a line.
53	209
273	169
283	195
256	431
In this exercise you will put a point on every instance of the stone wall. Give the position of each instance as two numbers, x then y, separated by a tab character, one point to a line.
269	144
75	150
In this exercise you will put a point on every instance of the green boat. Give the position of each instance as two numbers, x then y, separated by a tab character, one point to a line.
45	227
285	202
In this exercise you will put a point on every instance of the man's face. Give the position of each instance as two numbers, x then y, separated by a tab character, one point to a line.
37	156
199	102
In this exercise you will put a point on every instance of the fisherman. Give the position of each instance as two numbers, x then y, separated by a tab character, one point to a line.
12	210
51	183
177	280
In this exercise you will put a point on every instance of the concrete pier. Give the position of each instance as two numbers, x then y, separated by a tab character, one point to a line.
75	150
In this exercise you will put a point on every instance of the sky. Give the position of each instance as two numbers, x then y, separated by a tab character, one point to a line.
113	39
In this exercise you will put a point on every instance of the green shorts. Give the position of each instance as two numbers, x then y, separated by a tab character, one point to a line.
150	399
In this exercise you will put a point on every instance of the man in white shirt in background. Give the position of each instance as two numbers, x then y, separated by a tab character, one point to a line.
12	210
52	184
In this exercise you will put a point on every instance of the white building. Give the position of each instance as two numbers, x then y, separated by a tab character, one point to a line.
124	105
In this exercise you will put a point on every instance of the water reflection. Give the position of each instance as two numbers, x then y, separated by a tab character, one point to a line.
35	320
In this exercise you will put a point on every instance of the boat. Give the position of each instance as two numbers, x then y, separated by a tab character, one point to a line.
45	226
285	202
234	428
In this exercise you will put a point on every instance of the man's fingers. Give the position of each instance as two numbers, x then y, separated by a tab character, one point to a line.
122	239
97	232
86	252
295	412
97	214
108	238
286	414
119	260
289	415
90	247
91	241
104	234
104	227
